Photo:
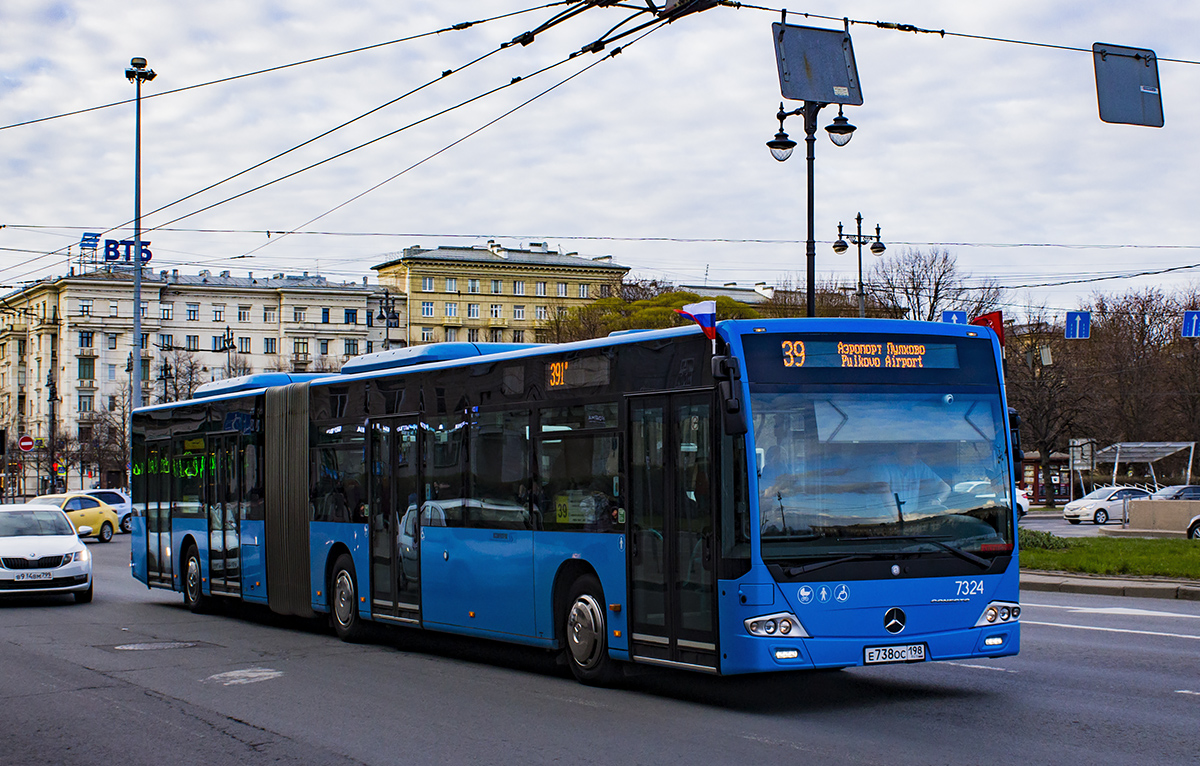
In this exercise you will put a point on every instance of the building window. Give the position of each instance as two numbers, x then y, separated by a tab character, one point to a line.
324	316
112	342
496	336
145	344
497	310
370	318
562	289
85	339
451	284
112	372
518	288
518	312
112	402
497	286
269	315
351	316
451	334
218	343
299	313
540	288
85	402
370	347
426	308
518	336
85	307
269	346
166	310
244	313
427	284
541	313
164	342
472	285
451	309
324	346
472	335
87	368
145	307
192	342
583	291
472	311
114	309
300	346
243	345
193	312
562	312
218	313
605	290
351	347
427	334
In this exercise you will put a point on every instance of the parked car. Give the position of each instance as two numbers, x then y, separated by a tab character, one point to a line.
1178	492
40	552
1102	504
1022	501
120	502
85	511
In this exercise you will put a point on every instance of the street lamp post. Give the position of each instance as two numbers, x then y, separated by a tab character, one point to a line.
51	398
840	132
137	73
227	346
877	248
387	315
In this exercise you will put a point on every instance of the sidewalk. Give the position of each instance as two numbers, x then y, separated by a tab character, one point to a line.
1143	587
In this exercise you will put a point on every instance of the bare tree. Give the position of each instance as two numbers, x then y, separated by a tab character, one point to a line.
178	376
923	284
632	290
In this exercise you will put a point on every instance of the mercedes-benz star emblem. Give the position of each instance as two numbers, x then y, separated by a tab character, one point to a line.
893	621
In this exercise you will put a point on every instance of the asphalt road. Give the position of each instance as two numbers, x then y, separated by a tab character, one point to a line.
134	678
1054	523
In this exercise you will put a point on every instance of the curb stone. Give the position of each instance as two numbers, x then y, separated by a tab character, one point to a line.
1188	590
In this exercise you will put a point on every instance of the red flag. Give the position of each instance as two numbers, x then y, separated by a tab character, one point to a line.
994	320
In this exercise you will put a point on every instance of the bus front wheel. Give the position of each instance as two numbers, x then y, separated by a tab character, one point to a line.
193	590
344	607
585	632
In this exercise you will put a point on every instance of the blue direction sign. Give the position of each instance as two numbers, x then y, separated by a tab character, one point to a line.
1191	324
1079	325
954	317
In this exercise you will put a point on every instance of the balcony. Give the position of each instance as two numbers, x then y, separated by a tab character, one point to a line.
86	383
452	322
498	322
87	352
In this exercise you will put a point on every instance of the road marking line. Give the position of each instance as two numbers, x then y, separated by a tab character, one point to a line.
247	676
979	667
1186	691
1117	610
1111	630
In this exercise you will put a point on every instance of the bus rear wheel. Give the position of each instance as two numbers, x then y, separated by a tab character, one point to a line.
343	609
585	632
193	584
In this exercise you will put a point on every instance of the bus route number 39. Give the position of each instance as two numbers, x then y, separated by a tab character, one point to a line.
793	353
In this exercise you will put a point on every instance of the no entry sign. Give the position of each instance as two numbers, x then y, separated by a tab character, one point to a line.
25	443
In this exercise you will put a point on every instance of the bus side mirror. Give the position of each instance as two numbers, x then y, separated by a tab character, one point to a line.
725	371
1014	429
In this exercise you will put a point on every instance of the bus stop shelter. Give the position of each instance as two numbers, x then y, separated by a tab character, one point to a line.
1144	452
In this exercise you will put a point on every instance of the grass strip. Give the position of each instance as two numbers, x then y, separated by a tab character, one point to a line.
1136	557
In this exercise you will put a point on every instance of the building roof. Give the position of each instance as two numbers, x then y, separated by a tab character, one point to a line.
760	293
202	278
493	254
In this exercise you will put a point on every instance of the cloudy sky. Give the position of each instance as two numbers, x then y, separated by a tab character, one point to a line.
991	149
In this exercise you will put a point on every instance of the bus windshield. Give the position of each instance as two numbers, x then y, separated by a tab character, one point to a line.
858	473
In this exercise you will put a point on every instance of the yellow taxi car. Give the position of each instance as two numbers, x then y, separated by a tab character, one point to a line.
85	511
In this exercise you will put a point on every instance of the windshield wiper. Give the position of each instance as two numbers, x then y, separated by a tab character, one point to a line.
982	563
793	571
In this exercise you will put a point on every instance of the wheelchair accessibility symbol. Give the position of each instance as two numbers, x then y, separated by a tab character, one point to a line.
841	594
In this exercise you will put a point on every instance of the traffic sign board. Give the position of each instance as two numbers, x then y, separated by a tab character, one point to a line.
1079	325
25	443
1191	324
954	317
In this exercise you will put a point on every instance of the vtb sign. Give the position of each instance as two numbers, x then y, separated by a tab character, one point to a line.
115	249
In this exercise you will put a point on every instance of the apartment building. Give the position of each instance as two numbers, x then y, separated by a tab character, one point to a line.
491	293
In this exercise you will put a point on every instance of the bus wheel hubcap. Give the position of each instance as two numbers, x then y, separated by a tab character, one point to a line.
193	577
343	608
585	628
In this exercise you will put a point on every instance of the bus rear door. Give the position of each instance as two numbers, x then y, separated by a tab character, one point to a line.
395	551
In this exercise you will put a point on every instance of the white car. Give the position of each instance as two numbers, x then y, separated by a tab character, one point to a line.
1022	501
1100	505
120	503
41	553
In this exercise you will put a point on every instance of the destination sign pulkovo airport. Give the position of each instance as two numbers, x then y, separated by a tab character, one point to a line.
859	353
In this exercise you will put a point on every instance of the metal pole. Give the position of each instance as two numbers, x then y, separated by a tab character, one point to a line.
862	295
136	389
810	246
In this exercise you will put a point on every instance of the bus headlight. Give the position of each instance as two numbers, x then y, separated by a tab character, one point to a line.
998	612
781	623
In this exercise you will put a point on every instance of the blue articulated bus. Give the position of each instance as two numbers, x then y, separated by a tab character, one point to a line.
798	493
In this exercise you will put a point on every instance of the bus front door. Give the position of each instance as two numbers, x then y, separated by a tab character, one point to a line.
223	495
671	530
157	479
395	545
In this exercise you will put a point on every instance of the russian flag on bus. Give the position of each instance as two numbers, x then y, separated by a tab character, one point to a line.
704	314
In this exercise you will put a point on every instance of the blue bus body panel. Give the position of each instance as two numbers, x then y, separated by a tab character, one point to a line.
137	549
479	579
323	536
181	530
604	552
254	563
